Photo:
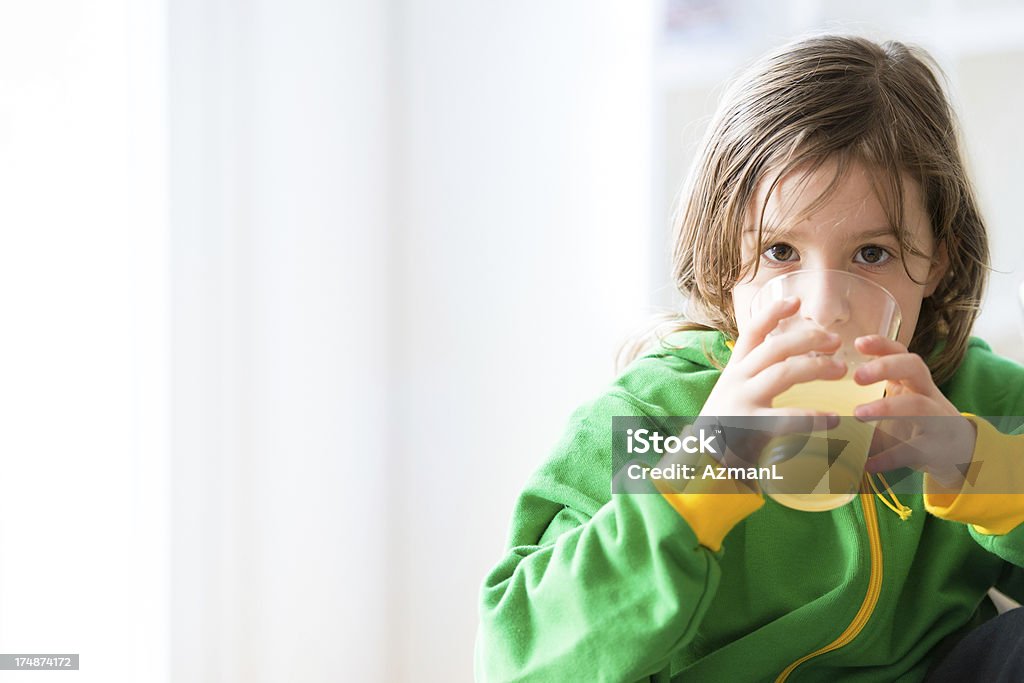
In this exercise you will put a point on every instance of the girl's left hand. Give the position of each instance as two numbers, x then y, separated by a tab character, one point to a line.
941	443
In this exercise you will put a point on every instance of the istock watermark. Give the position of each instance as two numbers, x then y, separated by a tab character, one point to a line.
803	456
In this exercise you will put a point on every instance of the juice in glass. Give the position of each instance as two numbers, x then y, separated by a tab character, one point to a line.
822	469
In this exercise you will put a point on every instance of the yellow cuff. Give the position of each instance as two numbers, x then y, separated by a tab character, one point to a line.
712	507
997	465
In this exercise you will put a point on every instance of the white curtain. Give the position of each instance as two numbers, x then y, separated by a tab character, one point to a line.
281	325
393	223
84	358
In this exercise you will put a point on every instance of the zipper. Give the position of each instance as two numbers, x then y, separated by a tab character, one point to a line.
874	584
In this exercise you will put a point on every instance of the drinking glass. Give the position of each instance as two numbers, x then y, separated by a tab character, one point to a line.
821	469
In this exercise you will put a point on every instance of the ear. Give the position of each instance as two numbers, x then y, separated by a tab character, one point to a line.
940	263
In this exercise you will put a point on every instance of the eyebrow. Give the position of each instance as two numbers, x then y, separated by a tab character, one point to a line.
775	231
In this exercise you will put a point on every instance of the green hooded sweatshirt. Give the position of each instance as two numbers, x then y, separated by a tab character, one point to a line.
732	588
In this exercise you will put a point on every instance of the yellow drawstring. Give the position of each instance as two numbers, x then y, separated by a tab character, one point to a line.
900	509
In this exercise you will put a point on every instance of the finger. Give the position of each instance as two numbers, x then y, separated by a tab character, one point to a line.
795	343
906	368
912	452
891	431
908	454
895	458
900	405
882	439
877	345
763	323
801	420
768	384
797	412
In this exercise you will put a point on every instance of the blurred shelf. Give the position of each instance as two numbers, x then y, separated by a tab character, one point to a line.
948	29
979	31
701	63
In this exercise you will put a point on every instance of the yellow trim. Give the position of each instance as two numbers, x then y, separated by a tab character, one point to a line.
713	515
996	466
712	507
874	585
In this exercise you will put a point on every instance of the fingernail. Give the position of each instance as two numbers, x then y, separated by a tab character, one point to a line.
789	300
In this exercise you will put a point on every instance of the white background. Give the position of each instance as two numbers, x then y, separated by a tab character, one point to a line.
296	295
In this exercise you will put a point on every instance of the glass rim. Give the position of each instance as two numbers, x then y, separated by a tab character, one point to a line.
778	278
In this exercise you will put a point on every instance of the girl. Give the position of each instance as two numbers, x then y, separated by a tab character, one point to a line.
838	153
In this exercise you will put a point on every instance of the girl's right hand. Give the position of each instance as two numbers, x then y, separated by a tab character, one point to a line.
761	368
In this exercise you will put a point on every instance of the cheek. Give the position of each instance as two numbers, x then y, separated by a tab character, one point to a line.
742	295
910	310
907	327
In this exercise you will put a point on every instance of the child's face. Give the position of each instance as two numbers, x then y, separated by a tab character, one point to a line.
847	232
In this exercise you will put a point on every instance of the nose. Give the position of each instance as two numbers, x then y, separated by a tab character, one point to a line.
825	301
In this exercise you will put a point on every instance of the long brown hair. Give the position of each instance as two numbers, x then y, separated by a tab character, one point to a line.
831	98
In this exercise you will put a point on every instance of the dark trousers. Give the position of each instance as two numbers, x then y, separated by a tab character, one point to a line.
992	652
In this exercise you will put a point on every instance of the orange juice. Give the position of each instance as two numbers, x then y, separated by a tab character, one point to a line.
809	482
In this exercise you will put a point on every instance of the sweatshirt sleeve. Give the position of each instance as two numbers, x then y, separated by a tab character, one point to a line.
595	586
991	502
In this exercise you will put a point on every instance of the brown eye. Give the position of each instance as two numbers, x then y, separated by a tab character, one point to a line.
872	255
780	252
